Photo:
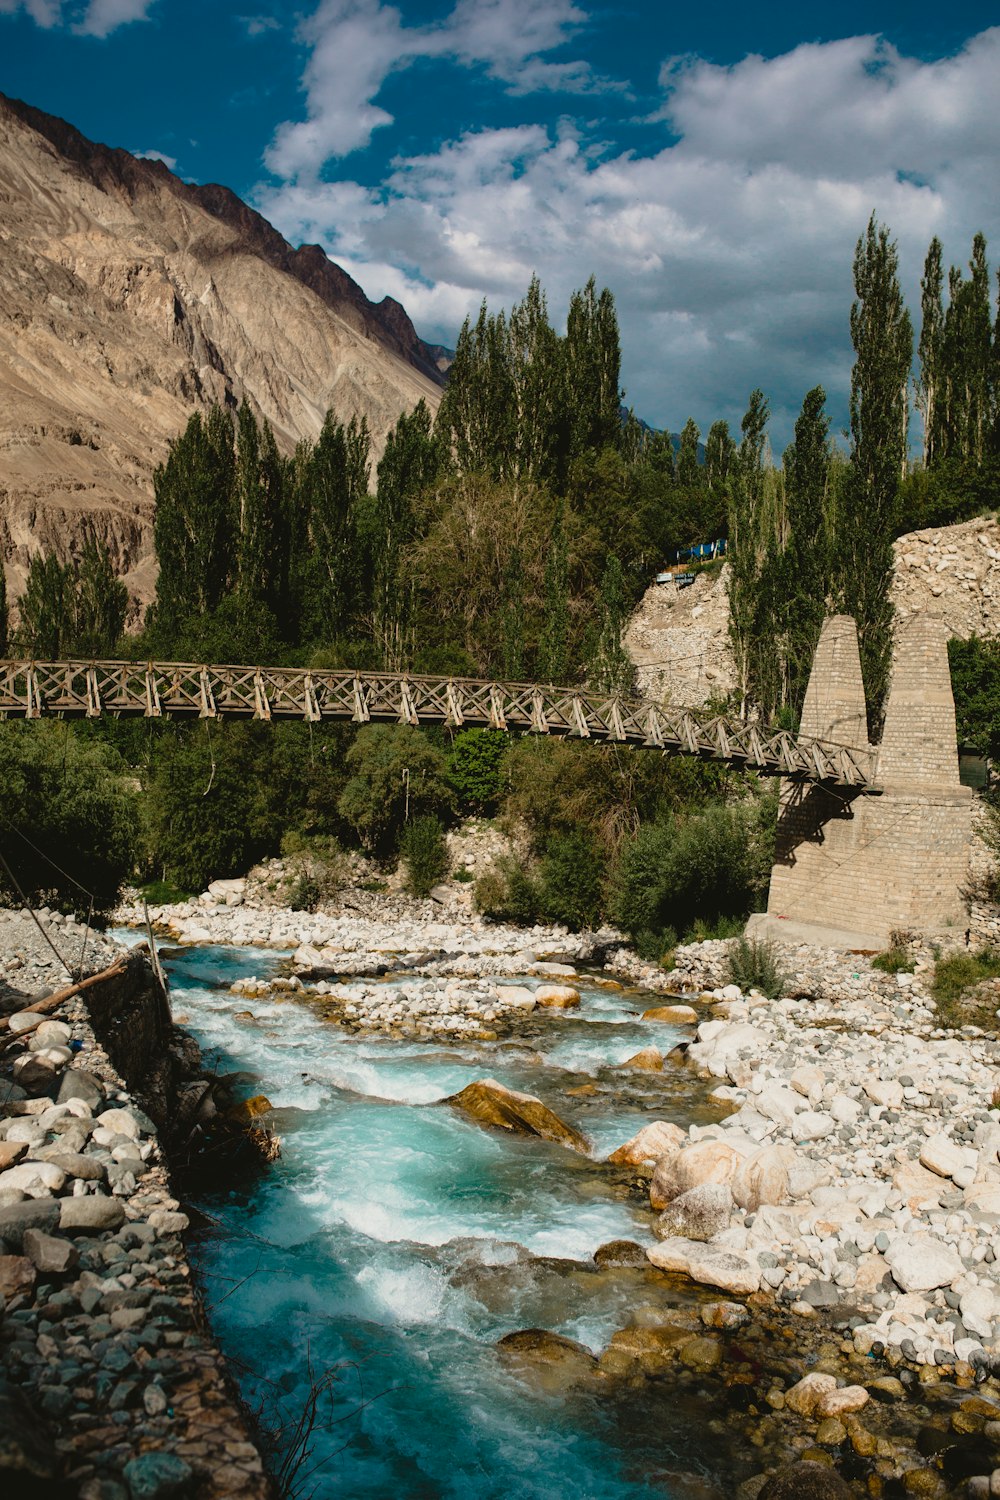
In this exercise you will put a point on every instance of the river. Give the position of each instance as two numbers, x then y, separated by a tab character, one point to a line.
395	1241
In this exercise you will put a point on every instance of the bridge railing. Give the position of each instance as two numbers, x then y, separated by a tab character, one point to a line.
82	689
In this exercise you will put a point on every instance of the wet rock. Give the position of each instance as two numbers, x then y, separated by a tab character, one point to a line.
698	1214
619	1254
651	1144
805	1481
557	996
490	1103
845	1399
157	1476
547	1359
728	1315
805	1396
650	1059
672	1015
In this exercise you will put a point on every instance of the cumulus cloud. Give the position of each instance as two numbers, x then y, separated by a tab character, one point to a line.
729	249
356	44
98	18
259	25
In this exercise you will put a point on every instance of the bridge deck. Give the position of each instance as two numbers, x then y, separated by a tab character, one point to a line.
79	689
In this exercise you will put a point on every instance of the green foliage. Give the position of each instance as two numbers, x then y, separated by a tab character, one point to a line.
883	342
895	960
195	523
46	606
975	680
424	853
611	669
700	867
476	768
164	893
508	893
4	613
572	877
755	964
66	794
953	490
69	610
394	771
955	976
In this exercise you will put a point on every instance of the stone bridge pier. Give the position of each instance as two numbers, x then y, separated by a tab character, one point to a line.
852	868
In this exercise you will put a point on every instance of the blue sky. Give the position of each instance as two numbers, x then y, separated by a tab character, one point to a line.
713	164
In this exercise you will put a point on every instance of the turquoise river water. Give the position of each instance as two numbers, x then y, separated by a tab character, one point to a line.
397	1241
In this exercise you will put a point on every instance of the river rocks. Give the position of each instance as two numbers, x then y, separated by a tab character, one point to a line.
557	996
38	1179
652	1143
940	1154
619	1254
693	1166
842	1401
90	1215
805	1481
649	1059
919	1263
17	1276
726	1269
157	1476
725	1315
547	1359
805	1395
762	1178
672	1015
49	1254
698	1214
490	1103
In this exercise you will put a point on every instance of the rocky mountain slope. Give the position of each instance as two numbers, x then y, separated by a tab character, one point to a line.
127	299
678	638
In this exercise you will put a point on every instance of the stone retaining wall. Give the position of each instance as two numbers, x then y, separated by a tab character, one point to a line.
112	1386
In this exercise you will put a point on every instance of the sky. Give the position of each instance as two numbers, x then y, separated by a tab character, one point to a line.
713	164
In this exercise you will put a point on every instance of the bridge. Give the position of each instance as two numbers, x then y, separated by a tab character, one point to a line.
89	689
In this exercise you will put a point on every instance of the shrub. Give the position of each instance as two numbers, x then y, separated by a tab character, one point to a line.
895	960
425	855
957	975
507	893
65	793
394	769
571	881
475	768
755	964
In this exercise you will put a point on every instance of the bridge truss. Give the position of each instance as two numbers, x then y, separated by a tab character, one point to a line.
80	689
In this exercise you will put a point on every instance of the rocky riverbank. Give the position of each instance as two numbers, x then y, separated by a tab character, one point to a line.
113	1388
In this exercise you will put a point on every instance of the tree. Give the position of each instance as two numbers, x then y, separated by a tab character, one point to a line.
751	546
883	342
688	467
100	605
930	348
720	455
194	530
4	617
334	484
410	464
395	774
47	609
806	557
611	669
593	363
553	647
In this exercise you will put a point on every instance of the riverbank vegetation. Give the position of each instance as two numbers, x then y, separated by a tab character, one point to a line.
510	537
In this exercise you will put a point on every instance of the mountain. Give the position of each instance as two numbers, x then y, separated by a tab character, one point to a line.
129	298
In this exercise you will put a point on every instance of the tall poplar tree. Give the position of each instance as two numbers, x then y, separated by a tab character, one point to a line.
688	467
720	455
194	529
883	343
930	350
805	569
553	645
100	603
411	462
750	545
593	369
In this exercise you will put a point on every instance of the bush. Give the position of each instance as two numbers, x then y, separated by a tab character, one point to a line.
754	964
392	766
425	855
572	880
955	977
65	792
507	893
894	961
475	768
706	867
316	870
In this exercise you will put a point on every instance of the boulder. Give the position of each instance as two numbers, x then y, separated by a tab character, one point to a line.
884	1091
673	1255
77	1083
762	1178
557	996
36	1213
652	1143
35	1074
919	1187
48	1254
36	1178
921	1263
806	1394
693	1166
490	1103
778	1103
650	1059
120	1122
90	1215
808	1081
619	1254
672	1015
726	1269
805	1481
728	1315
939	1154
11	1153
546	1359
698	1214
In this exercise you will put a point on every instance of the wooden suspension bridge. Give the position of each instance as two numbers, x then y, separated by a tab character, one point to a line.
89	689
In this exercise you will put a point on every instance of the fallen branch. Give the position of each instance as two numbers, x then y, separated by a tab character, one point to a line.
53	1002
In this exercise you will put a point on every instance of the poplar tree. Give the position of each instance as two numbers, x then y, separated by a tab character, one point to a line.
805	559
194	529
593	368
688	467
929	350
553	645
879	409
748	547
411	462
611	669
100	603
536	390
720	454
334	482
47	609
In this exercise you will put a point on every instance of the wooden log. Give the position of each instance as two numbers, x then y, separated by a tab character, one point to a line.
52	1002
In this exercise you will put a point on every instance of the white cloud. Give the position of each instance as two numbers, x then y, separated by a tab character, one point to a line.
729	250
98	18
168	161
259	25
356	44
